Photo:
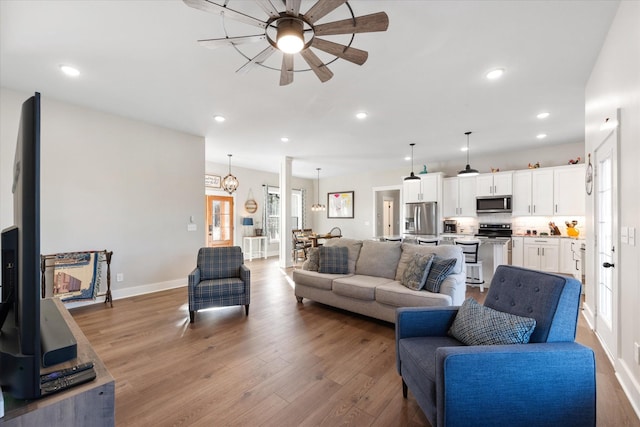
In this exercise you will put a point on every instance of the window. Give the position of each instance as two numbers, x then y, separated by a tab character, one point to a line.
272	211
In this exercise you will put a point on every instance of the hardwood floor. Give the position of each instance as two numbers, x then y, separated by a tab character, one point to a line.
286	364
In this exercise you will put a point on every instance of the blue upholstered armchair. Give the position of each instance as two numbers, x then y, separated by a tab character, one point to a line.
220	279
550	381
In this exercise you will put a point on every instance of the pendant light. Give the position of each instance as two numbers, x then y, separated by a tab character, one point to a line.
230	182
467	171
412	176
318	207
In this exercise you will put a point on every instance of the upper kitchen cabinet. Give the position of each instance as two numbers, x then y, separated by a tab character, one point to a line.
494	184
426	189
568	190
533	192
459	196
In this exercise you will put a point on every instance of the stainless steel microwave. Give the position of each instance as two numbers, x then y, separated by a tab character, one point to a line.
493	204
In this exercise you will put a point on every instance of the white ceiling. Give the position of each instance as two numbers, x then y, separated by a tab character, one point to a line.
423	82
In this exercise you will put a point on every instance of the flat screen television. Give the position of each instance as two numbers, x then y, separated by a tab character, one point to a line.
20	351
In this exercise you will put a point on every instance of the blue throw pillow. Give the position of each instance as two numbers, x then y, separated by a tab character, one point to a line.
417	271
334	260
478	325
440	269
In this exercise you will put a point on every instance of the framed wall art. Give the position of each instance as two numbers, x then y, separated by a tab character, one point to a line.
340	204
212	181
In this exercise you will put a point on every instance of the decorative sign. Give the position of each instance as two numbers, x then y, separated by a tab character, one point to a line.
212	181
251	206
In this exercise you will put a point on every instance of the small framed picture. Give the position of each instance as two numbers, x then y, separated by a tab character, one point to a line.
340	204
212	181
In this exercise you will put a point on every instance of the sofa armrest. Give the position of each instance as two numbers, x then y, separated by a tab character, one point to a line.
422	322
455	286
194	277
526	384
245	275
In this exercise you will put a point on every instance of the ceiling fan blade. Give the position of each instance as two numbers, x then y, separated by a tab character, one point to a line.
351	54
227	41
256	60
363	24
321	70
269	8
322	8
208	6
286	73
293	7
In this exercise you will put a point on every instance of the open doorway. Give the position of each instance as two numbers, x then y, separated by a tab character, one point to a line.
386	212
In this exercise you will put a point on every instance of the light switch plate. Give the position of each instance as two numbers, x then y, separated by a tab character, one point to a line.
632	236
192	227
624	234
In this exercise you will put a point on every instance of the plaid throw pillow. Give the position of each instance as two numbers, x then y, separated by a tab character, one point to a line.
415	275
478	325
440	269
334	260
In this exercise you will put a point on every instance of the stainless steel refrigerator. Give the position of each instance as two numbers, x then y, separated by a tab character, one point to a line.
421	218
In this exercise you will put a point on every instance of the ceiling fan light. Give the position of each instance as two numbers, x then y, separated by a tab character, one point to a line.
289	37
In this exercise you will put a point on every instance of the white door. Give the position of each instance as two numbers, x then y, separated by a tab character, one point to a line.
606	202
387	218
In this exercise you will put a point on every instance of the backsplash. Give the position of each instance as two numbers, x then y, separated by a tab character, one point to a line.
519	225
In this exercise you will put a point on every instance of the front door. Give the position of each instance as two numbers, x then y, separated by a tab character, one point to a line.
219	220
606	202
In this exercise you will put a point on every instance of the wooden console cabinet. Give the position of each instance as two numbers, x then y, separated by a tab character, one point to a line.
89	404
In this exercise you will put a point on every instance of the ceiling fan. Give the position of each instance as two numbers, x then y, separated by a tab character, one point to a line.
290	32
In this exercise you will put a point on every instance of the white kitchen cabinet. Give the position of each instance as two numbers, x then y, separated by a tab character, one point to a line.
517	251
533	192
570	257
494	184
425	189
568	190
459	196
542	254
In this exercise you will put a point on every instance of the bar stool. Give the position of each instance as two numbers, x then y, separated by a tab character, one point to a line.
473	264
429	242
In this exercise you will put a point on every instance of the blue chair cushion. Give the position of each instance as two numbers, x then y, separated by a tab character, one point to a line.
440	269
478	325
415	275
334	260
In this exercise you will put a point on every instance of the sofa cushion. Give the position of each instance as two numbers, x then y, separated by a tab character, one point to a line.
396	295
333	260
443	251
416	273
379	259
440	269
313	260
359	287
314	279
478	325
352	245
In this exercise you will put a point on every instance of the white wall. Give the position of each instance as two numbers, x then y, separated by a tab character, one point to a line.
615	83
112	183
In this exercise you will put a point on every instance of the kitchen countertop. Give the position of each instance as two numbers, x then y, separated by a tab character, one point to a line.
549	236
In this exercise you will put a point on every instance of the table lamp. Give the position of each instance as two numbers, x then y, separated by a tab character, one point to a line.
248	222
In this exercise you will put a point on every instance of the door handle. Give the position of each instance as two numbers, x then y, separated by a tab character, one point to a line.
608	265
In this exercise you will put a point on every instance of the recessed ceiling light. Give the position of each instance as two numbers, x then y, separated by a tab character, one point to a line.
495	74
219	119
543	115
361	115
541	136
407	158
464	149
69	70
284	139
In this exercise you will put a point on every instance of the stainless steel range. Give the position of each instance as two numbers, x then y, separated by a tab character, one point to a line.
494	231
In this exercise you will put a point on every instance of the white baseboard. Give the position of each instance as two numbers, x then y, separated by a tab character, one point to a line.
131	291
630	385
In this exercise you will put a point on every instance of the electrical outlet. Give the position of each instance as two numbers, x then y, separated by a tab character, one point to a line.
636	353
119	277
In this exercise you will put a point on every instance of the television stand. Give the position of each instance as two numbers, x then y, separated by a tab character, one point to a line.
91	403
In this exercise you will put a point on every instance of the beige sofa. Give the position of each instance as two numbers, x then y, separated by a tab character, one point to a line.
372	285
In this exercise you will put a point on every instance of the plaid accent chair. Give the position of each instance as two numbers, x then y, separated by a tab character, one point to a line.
220	279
